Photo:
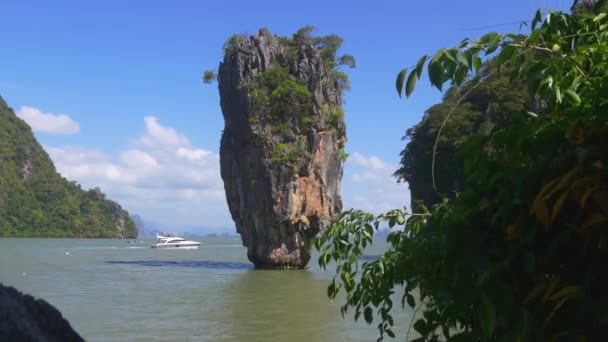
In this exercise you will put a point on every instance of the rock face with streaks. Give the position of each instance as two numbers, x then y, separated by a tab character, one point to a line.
282	147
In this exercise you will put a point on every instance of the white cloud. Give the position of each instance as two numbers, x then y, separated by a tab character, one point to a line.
368	184
158	135
164	178
137	158
48	122
372	162
192	154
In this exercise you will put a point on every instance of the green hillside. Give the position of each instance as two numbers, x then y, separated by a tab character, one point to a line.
36	201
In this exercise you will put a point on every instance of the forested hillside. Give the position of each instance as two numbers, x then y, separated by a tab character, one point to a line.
476	107
36	201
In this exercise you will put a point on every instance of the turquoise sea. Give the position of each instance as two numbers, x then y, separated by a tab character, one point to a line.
111	290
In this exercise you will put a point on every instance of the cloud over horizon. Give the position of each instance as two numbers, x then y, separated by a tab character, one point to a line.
48	122
165	179
371	185
161	177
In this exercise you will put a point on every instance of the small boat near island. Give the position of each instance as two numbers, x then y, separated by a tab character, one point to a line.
168	241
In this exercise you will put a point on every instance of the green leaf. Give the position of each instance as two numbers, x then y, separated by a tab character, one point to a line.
390	333
487	38
506	54
436	74
537	18
367	314
400	80
493	44
464	43
331	289
599	17
487	315
534	37
420	327
477	63
420	65
411	301
558	95
411	84
451	55
463	59
572	97
400	219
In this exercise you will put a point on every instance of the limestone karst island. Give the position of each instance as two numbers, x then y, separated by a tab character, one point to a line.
282	147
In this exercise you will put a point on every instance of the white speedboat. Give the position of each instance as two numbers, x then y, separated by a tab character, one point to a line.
174	242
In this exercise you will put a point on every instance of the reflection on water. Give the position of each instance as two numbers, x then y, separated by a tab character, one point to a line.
224	265
268	304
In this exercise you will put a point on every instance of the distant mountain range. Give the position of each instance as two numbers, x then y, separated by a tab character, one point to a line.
148	230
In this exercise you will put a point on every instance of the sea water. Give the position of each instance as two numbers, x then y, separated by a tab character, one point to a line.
111	290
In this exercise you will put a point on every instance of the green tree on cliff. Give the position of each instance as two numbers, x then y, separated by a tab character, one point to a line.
519	254
491	98
36	201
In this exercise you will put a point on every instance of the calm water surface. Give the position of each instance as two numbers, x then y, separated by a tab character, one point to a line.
111	290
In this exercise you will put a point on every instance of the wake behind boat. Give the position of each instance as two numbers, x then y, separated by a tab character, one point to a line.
174	242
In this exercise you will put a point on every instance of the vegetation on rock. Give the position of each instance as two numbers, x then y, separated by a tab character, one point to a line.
476	107
35	201
519	254
283	101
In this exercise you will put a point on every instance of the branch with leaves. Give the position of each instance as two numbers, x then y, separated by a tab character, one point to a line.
520	253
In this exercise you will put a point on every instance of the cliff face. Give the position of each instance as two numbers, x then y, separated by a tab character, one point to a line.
282	147
35	201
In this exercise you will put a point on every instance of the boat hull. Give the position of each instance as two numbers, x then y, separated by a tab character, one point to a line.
161	246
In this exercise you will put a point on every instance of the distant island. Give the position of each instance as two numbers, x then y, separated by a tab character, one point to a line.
36	201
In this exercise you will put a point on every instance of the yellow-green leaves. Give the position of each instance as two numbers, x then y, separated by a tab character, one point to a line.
572	97
600	17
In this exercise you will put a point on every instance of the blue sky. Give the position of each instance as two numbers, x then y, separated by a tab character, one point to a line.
127	77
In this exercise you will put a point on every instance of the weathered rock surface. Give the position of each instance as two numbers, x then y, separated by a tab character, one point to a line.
281	167
24	318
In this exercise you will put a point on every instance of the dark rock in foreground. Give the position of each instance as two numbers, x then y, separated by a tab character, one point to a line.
25	318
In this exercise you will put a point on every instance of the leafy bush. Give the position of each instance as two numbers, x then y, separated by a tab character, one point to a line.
342	155
283	154
209	76
279	95
233	42
334	117
520	254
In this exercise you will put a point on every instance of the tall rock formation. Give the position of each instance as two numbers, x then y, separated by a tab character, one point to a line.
282	147
36	201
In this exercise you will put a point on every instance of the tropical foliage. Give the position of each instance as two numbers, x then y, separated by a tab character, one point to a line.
35	201
485	101
519	254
